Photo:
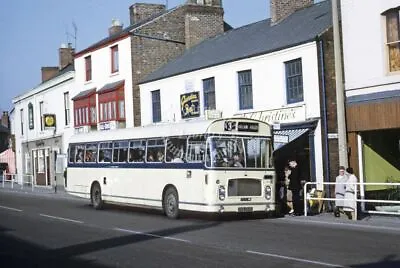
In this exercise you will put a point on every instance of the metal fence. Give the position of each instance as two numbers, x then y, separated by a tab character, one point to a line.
22	182
357	198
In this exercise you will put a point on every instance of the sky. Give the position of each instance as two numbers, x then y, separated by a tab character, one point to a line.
33	30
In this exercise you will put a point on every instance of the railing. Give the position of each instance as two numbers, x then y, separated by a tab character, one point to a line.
356	200
17	181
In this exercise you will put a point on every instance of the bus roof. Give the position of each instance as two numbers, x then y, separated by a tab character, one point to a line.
186	128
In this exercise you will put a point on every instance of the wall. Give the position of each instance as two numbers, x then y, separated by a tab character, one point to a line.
269	88
364	49
101	72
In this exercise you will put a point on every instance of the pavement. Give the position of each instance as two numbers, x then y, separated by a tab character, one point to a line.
378	222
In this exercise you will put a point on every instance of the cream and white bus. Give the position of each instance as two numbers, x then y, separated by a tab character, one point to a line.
222	165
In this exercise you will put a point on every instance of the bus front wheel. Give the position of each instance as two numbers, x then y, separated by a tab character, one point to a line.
96	199
171	203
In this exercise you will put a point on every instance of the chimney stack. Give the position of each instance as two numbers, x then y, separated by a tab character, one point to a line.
5	120
66	55
116	27
142	11
281	9
49	72
205	2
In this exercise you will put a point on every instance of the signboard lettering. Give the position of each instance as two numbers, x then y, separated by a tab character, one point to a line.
190	105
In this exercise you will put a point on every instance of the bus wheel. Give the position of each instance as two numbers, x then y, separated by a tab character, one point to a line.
95	196
171	203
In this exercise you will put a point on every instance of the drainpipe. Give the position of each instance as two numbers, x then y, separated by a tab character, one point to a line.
324	112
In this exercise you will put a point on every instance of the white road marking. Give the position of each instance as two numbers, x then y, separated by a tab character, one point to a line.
152	235
346	224
294	259
13	209
60	218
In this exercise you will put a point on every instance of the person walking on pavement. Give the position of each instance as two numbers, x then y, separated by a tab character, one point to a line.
350	205
340	191
295	185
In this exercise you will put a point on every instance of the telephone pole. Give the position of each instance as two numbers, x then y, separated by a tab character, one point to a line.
340	106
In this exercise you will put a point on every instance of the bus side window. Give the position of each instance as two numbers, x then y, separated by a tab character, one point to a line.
137	150
79	154
120	151
72	152
105	152
176	150
91	153
196	149
155	150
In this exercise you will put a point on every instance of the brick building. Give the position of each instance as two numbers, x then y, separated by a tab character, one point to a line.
108	72
280	70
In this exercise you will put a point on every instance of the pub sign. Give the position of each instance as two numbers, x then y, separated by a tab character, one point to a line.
190	105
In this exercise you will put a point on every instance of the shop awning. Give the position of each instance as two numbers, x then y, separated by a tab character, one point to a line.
281	137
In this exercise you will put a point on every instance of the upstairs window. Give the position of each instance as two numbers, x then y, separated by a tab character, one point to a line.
21	112
88	68
30	116
156	105
245	90
114	59
41	110
294	81
393	38
209	93
66	108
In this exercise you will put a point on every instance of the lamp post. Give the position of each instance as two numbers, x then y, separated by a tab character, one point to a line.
340	106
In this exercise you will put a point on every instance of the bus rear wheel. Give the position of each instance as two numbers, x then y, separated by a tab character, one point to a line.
171	203
95	196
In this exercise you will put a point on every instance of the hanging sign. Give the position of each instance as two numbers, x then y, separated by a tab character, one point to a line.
190	105
49	121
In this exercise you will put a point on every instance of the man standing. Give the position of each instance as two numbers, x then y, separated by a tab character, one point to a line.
350	203
295	185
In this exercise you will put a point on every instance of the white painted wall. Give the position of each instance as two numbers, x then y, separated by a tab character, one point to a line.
365	54
269	89
101	72
52	95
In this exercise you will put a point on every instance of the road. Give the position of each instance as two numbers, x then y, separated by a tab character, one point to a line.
41	231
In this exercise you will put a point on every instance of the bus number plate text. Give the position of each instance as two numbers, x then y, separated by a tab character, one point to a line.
245	209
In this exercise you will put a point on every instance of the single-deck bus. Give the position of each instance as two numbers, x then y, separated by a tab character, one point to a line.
222	165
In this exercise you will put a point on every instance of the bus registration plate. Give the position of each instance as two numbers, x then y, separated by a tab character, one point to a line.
245	209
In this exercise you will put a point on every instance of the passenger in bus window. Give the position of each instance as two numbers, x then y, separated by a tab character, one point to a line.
79	156
150	157
101	156
160	156
236	160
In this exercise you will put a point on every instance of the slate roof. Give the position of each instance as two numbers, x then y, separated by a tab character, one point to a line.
84	94
111	86
251	40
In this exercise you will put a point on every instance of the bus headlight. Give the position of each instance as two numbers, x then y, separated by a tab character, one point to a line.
221	193
268	192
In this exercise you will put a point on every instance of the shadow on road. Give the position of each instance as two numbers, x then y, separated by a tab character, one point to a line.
17	252
389	261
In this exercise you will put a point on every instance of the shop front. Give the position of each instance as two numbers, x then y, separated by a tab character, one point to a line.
374	141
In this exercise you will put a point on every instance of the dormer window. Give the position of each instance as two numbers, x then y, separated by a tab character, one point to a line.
393	38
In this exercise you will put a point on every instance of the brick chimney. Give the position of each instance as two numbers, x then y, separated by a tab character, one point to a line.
203	19
141	11
281	9
66	55
5	120
116	27
49	72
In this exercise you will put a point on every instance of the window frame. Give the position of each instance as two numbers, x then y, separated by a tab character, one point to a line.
245	89
21	113
41	112
67	118
156	110
291	79
392	41
88	68
114	59
209	93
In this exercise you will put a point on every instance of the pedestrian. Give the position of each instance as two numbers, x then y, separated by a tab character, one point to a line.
350	203
295	185
289	195
340	191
